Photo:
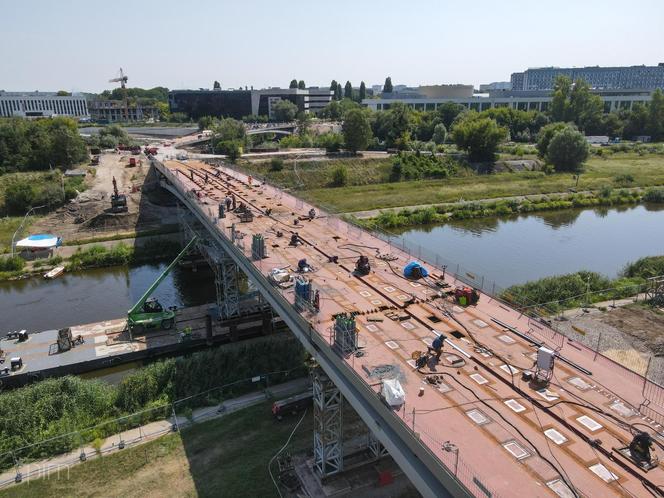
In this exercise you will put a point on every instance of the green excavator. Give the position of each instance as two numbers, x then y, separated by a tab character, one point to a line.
148	312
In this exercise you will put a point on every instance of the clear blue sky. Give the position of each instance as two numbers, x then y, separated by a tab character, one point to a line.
78	45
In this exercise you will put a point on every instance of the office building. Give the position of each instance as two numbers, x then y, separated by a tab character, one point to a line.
609	78
239	103
42	104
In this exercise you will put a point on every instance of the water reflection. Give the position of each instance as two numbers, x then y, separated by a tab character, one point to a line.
517	248
99	294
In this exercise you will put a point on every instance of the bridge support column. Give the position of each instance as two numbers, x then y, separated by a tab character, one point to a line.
375	447
328	425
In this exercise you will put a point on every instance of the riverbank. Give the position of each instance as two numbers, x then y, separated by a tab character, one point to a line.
551	295
97	252
606	197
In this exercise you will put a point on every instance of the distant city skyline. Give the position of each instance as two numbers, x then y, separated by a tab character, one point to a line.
79	46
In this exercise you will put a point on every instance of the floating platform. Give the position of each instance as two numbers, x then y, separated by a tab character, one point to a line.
108	343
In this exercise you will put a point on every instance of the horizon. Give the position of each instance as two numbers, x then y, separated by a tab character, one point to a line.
78	49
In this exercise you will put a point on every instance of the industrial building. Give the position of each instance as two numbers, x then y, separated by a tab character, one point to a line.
42	104
239	103
627	77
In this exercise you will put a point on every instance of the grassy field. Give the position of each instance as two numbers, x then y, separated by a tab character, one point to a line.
368	188
226	457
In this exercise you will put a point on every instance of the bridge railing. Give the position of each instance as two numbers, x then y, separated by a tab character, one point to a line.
463	471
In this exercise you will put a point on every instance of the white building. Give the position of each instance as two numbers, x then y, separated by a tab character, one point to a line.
42	104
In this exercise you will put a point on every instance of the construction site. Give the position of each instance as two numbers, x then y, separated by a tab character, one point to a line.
466	394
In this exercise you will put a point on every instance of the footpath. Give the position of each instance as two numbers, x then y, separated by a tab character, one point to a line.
146	433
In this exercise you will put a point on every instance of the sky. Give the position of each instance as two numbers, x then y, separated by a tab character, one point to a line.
78	45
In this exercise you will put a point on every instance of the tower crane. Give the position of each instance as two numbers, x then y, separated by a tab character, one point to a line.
122	79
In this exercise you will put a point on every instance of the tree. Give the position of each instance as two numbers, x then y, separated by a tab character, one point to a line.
348	91
205	123
232	148
337	92
333	86
546	134
293	84
448	112
387	87
478	136
636	121
301	85
63	93
612	125
284	110
216	85
560	105
395	125
356	130
439	134
567	150
655	124
303	122
229	129
363	91
586	108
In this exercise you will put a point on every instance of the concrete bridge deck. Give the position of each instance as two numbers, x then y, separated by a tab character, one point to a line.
506	436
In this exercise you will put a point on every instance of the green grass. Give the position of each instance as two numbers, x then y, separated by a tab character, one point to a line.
226	457
8	226
647	170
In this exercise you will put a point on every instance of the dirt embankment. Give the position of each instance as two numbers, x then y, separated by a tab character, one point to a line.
90	214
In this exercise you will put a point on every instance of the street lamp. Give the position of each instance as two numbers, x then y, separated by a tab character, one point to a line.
20	227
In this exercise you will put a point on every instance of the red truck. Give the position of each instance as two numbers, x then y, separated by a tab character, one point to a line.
150	151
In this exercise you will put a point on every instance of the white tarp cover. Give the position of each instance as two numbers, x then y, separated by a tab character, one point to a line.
42	241
393	392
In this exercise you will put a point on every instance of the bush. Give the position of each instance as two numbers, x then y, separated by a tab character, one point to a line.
567	150
624	179
232	148
19	197
331	142
339	176
546	134
650	266
276	164
12	263
416	166
654	195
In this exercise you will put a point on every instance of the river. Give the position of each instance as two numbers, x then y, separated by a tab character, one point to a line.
90	296
515	249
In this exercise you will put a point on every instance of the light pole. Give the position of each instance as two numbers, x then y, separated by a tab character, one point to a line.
452	448
20	227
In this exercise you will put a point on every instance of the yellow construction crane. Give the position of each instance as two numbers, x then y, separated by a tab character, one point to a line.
122	79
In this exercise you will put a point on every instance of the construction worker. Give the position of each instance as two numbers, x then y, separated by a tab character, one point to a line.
228	201
312	214
437	346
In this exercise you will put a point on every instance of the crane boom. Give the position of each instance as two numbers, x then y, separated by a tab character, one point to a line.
161	277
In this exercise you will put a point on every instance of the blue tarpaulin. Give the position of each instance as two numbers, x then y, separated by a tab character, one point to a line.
408	270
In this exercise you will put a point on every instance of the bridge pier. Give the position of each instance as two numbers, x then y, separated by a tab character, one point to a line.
328	425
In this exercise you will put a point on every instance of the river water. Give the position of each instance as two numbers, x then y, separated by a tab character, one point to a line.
516	249
90	296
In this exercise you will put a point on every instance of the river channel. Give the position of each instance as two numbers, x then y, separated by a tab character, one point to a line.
90	296
515	249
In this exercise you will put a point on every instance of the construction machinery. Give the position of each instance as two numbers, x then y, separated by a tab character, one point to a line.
122	79
466	296
148	312
118	200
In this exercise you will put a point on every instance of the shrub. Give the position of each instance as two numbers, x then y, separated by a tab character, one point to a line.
478	136
12	263
654	195
339	176
19	197
276	164
650	266
624	179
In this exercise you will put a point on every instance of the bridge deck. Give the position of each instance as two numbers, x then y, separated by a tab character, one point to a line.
494	418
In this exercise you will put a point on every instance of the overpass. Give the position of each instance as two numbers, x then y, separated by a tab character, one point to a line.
470	426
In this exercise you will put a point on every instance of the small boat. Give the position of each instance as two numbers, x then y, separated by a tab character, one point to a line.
55	272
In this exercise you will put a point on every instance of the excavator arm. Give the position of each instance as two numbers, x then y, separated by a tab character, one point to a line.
139	304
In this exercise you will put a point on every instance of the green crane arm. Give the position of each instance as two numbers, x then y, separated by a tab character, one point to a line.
144	297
